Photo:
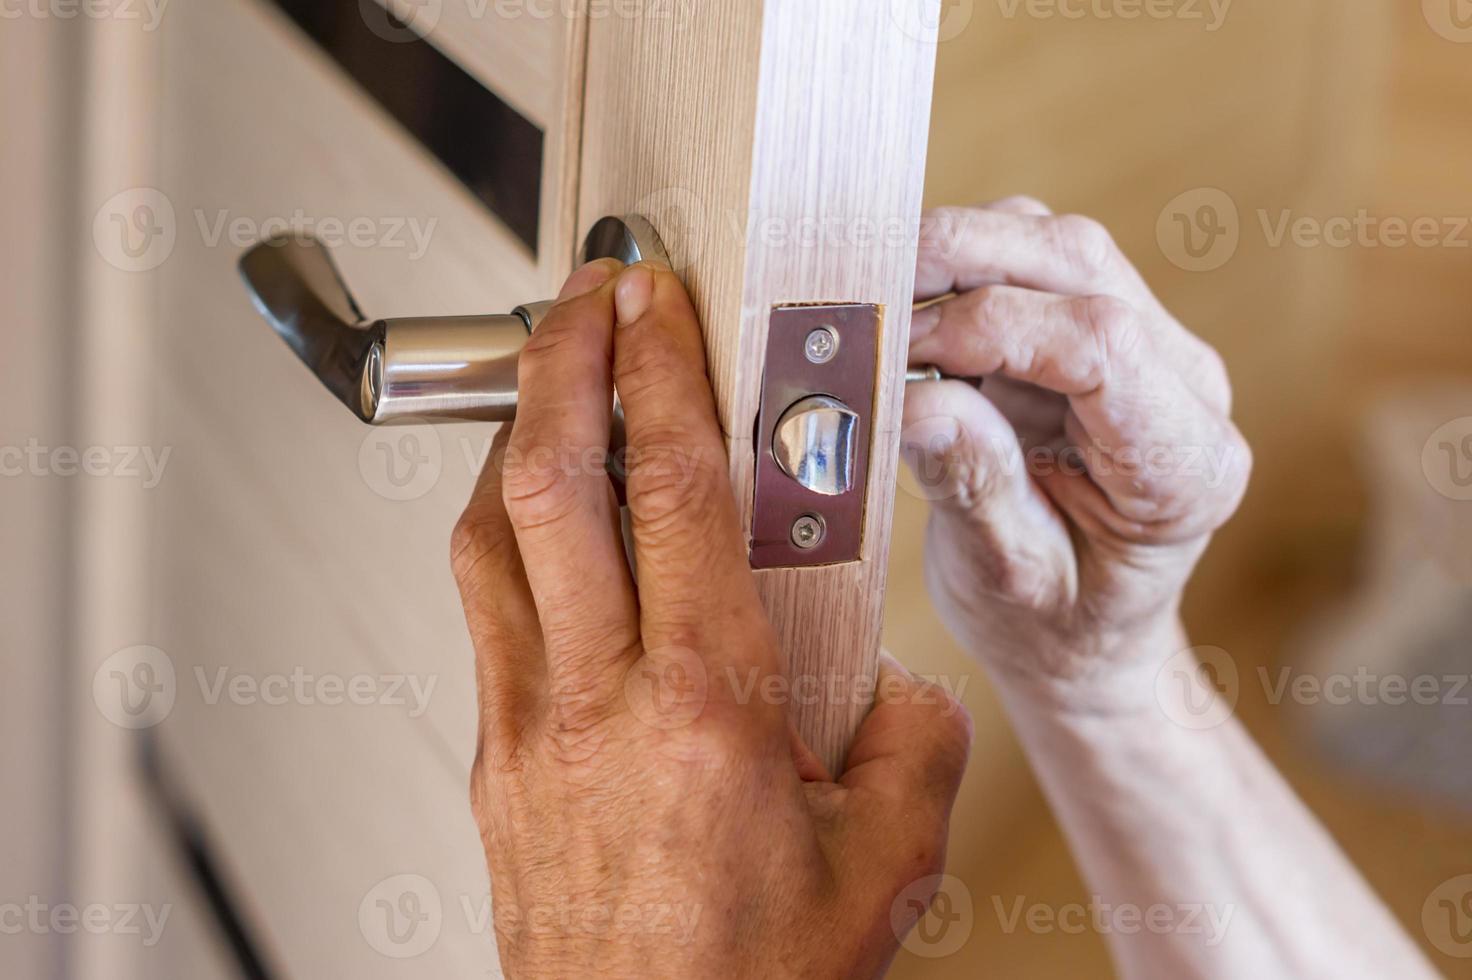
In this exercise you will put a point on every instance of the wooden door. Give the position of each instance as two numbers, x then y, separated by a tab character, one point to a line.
319	719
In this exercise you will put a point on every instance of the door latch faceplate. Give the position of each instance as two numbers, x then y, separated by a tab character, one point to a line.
813	431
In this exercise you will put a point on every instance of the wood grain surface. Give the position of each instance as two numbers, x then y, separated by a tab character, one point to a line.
780	148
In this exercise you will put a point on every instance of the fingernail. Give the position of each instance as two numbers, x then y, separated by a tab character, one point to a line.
633	293
588	277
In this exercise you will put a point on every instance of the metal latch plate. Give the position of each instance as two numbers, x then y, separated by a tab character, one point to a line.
792	373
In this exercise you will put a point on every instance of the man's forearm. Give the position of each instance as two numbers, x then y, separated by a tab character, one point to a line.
1196	823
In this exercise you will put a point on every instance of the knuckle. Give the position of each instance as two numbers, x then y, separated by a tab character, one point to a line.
1000	571
671	484
475	541
1085	244
1115	329
646	367
1237	468
1024	202
536	490
1216	380
941	232
994	304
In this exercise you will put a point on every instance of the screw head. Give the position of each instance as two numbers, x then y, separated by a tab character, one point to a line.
807	531
821	344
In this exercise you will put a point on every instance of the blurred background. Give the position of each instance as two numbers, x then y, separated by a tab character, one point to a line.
1294	177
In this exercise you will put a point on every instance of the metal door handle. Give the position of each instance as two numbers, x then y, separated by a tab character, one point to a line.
435	367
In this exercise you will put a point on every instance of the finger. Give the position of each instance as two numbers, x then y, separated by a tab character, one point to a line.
1018	242
968	463
903	772
1149	435
688	546
965	248
1020	204
499	610
557	493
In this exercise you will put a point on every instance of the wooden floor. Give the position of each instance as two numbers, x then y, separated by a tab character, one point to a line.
1318	107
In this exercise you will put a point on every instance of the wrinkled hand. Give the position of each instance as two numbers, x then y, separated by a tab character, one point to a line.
644	813
1073	495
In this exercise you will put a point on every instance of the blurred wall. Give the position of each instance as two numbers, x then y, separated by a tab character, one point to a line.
35	170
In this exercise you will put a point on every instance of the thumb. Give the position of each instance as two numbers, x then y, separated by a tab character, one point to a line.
904	770
966	460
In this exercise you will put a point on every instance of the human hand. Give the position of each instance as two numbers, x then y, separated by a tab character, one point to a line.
1073	497
642	814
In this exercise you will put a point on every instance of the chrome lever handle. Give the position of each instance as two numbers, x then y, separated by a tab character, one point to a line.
450	367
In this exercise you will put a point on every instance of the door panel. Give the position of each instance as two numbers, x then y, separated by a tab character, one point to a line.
780	149
289	540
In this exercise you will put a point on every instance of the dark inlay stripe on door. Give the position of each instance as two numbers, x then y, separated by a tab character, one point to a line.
489	146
